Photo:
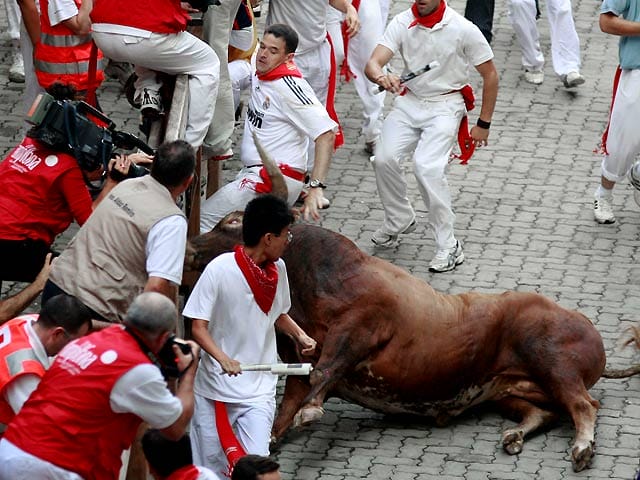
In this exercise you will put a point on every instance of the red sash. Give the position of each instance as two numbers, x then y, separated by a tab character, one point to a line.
287	69
345	71
465	142
190	472
428	20
265	186
602	148
331	110
263	282
230	445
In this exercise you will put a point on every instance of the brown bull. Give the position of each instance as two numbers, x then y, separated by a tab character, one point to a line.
389	342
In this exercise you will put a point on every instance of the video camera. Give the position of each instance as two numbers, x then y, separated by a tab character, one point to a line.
167	357
82	131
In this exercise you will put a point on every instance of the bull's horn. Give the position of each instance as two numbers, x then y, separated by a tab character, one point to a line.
278	185
623	373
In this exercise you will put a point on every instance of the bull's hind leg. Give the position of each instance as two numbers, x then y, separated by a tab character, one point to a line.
531	418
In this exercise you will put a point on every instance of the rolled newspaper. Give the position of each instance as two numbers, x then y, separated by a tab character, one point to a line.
279	368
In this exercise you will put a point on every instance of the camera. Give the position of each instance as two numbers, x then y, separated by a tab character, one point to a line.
82	131
167	357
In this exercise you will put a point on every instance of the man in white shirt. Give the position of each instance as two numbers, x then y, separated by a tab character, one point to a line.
235	305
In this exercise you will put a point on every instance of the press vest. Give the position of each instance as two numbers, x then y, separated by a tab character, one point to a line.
17	358
68	420
104	266
63	56
158	16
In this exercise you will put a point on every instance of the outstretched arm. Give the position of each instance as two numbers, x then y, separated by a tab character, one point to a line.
615	25
288	326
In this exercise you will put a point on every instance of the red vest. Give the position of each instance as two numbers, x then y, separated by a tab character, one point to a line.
158	16
32	204
16	359
62	56
68	420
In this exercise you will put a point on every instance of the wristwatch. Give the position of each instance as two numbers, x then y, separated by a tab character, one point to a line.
315	183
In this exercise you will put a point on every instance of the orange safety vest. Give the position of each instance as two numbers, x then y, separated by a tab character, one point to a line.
16	358
62	56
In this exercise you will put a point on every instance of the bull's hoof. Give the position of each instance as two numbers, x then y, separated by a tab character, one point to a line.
513	441
581	457
307	415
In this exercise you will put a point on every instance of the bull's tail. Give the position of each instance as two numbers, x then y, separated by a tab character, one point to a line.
621	373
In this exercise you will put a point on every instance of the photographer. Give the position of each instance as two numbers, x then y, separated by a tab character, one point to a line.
96	394
43	190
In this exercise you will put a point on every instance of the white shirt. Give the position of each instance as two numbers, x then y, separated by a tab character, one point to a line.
307	17
166	244
285	114
237	325
455	43
61	10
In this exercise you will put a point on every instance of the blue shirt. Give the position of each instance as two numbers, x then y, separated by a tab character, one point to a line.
629	50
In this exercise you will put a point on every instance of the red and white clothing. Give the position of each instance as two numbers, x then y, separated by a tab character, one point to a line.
425	122
222	296
23	361
286	116
151	35
95	394
565	44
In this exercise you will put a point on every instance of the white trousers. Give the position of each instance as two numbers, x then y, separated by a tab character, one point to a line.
13	19
565	44
428	130
236	194
251	423
179	53
360	49
623	142
217	23
31	86
240	75
15	463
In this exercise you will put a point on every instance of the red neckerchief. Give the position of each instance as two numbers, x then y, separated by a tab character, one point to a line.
190	472
428	20
345	71
602	148
262	281
228	441
331	95
467	147
286	69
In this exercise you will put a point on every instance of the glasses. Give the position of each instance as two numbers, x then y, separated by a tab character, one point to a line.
289	236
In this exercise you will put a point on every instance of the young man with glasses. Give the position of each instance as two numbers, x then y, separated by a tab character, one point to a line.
235	305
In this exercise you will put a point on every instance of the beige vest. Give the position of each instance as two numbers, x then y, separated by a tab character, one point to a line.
104	266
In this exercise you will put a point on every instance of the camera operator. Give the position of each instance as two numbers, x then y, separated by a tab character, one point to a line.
43	191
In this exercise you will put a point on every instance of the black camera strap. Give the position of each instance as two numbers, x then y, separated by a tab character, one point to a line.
145	348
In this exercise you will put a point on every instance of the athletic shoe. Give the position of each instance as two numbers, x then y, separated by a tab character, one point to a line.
150	102
448	259
16	72
383	239
370	147
572	79
602	210
534	76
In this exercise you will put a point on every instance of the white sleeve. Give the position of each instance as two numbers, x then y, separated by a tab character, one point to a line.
392	38
200	302
305	111
143	392
61	10
20	389
165	248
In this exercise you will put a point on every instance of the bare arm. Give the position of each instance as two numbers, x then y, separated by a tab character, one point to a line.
489	97
12	306
80	24
201	335
288	326
379	58
163	286
615	25
322	160
31	19
351	15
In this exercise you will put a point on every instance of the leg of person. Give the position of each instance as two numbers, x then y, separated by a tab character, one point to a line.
334	20
384	11
240	75
253	425
205	443
16	463
522	14
480	13
397	141
623	143
31	86
430	159
360	48
14	19
148	88
217	23
565	44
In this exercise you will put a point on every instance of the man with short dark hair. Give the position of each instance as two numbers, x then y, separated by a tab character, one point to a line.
172	459
256	467
27	343
90	403
235	305
135	240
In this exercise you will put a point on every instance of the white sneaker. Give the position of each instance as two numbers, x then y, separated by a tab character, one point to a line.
383	239
572	79
602	210
16	72
447	259
534	76
150	102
